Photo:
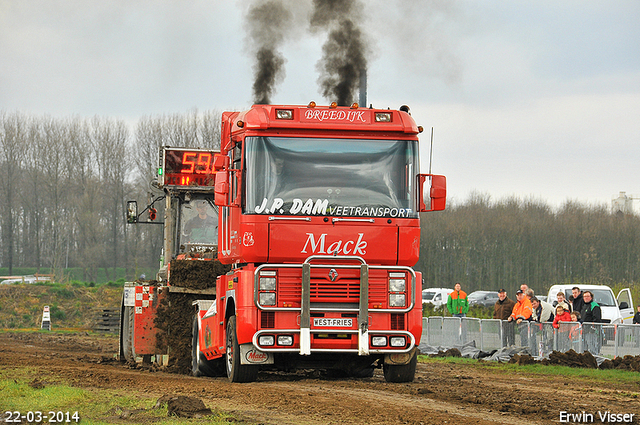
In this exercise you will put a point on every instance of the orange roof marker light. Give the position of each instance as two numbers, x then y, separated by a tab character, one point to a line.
311	104
333	105
355	105
240	124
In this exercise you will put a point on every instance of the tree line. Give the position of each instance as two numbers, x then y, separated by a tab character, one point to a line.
64	183
488	245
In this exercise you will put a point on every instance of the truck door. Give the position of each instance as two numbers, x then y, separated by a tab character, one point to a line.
625	302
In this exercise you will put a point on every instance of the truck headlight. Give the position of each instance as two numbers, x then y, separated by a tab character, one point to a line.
397	285
397	341
285	340
267	283
265	340
379	341
396	300
267	298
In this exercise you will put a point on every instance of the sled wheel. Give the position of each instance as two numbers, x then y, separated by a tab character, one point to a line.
237	372
401	373
200	365
126	334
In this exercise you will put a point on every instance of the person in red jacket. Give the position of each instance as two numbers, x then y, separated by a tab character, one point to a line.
562	315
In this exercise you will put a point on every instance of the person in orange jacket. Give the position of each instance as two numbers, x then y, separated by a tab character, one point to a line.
523	308
522	312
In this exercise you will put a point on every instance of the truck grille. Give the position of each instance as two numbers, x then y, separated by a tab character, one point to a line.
345	289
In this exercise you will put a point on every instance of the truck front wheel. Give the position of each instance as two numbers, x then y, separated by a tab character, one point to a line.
236	371
401	373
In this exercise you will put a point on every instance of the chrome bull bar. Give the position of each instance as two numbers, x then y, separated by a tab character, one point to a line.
305	309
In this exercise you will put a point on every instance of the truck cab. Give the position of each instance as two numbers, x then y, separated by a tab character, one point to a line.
319	218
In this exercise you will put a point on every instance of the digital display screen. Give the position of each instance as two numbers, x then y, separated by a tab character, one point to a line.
188	167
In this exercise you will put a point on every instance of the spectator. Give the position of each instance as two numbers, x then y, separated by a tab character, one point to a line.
575	333
561	299
636	321
578	300
524	288
542	311
591	311
504	306
530	294
502	310
458	303
522	309
522	312
562	315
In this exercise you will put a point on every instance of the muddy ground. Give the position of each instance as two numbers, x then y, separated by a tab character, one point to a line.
441	393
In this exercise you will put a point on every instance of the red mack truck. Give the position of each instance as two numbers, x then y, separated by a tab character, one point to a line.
319	219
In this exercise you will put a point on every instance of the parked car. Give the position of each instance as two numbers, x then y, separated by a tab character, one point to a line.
614	309
483	298
436	296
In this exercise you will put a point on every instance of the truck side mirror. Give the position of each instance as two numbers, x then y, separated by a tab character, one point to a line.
132	212
433	190
623	305
220	162
221	197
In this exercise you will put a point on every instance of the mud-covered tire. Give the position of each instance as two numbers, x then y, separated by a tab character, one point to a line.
126	334
200	365
237	372
401	373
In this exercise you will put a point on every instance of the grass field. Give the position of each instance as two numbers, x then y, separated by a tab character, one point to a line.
21	392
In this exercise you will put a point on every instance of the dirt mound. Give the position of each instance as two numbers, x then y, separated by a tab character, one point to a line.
573	359
622	363
451	352
186	407
196	274
522	359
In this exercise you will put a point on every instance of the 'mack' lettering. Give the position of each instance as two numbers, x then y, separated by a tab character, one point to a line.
335	247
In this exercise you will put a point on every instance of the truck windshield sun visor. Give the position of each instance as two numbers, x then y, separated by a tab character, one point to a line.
331	177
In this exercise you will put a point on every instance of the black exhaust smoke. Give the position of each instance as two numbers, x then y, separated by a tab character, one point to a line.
344	52
267	23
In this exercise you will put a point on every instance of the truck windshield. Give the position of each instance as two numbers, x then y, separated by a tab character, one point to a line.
198	223
330	177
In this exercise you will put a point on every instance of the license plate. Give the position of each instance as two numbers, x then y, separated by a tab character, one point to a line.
332	323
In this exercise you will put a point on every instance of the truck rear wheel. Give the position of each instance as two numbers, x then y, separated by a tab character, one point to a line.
236	371
200	365
401	373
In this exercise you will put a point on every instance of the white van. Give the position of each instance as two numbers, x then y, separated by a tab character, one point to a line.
614	309
436	296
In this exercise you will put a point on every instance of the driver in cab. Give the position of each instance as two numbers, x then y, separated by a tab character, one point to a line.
203	227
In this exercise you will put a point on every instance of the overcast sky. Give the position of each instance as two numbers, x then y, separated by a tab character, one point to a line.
529	98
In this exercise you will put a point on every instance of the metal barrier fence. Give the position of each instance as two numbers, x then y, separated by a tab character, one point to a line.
603	339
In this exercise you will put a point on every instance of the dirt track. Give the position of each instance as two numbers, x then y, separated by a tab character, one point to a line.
441	393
